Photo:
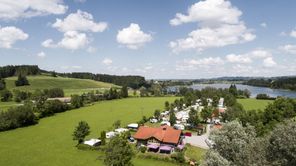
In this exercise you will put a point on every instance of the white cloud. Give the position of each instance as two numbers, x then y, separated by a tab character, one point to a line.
107	61
193	64
238	58
259	53
269	62
72	40
291	49
132	37
41	55
14	9
9	35
209	13
219	25
263	24
293	33
79	21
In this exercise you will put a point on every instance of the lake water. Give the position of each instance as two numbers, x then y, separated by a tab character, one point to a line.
253	89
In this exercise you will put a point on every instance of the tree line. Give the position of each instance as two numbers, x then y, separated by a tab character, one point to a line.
10	70
276	83
36	105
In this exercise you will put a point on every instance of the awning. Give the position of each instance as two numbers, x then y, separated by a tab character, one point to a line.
165	148
153	146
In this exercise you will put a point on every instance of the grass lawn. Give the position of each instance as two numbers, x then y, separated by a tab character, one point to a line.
50	142
5	105
195	153
254	104
70	85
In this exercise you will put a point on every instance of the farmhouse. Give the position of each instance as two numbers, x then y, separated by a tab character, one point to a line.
163	139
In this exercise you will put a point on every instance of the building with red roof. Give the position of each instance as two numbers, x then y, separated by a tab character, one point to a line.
158	135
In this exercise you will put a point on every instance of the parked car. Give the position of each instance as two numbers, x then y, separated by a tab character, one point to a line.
210	143
153	120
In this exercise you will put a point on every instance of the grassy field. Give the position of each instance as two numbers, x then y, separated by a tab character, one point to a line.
254	104
50	142
195	152
70	85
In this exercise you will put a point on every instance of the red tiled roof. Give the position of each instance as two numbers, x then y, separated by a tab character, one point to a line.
165	134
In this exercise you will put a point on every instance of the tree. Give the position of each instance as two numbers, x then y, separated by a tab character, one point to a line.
193	117
213	158
206	113
81	131
117	124
6	95
157	114
167	106
53	74
2	84
281	148
173	118
21	80
103	137
238	144
233	89
118	152
76	101
124	92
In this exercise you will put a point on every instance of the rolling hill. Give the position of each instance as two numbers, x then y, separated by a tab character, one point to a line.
70	85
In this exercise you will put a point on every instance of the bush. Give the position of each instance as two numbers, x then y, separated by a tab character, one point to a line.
6	95
21	80
143	149
21	95
179	157
87	147
51	107
17	117
54	92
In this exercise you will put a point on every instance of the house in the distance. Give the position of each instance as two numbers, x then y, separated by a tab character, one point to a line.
163	139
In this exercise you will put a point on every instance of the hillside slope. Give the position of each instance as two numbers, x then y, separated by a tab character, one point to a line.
70	85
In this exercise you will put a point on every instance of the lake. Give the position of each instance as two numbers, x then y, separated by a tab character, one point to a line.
253	89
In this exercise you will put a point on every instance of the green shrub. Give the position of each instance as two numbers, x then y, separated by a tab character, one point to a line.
87	147
179	157
143	149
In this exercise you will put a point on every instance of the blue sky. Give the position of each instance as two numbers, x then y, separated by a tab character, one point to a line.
156	39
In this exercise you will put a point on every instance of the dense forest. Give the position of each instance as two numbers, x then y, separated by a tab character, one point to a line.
9	71
276	83
130	81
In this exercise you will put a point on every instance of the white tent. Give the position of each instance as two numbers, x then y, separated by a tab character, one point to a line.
110	134
133	126
93	142
121	130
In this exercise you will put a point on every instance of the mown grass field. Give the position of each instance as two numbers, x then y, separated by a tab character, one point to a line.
70	85
50	142
254	104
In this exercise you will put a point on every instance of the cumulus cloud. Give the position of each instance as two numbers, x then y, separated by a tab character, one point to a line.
219	25
238	58
291	49
293	33
107	61
76	28
41	55
133	37
14	9
79	21
192	64
72	40
269	62
9	35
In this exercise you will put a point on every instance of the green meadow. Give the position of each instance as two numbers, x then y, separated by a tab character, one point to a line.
69	85
254	104
50	141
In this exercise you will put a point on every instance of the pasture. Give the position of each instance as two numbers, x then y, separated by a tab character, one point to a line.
69	85
254	104
50	142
